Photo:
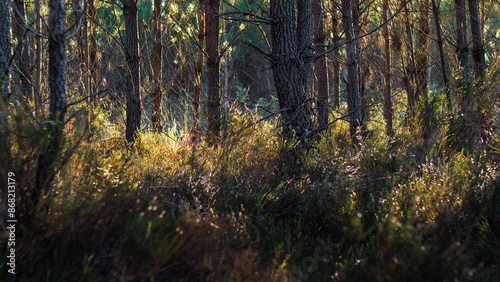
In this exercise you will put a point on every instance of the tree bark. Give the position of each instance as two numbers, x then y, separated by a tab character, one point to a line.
422	52
5	49
92	85
353	99
287	68
320	64
5	55
57	84
304	39
462	49
38	60
477	41
388	111
213	60
409	68
132	56
435	10
336	62
22	57
157	63
198	73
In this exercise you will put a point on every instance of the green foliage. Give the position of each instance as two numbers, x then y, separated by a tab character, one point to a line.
381	209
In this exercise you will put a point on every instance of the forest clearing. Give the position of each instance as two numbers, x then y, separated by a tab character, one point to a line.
250	140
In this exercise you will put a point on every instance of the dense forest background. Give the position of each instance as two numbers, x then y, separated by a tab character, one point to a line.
272	140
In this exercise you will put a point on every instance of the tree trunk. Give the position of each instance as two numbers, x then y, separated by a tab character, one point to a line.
287	69
462	49
198	73
435	10
422	52
353	99
388	111
38	60
362	66
22	57
157	63
57	84
320	64
5	52
304	39
212	46
92	59
336	62
409	68
132	57
477	41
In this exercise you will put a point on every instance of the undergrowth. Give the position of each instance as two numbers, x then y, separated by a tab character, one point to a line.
385	208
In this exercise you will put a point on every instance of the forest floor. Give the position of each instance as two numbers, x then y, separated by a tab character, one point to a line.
397	209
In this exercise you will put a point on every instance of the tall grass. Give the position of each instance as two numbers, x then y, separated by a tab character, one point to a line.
381	209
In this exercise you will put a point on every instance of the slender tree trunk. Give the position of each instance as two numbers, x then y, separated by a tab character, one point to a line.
213	60
304	39
353	99
5	55
362	66
91	78
437	21
83	59
480	121
388	111
477	41
287	69
38	60
409	69
22	57
198	73
132	57
5	49
336	62
92	50
320	64
462	49
157	63
57	84
422	52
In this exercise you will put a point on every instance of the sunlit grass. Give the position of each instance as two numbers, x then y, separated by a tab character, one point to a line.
383	208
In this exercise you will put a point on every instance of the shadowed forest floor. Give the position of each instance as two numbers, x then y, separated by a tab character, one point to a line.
382	209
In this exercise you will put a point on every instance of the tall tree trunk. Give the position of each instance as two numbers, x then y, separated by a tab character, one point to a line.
388	111
22	57
38	60
437	21
132	57
336	62
422	51
304	39
157	62
462	49
57	84
353	99
213	60
198	73
92	50
91	78
287	69
5	55
362	65
320	64
5	49
409	68
477	41
83	60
